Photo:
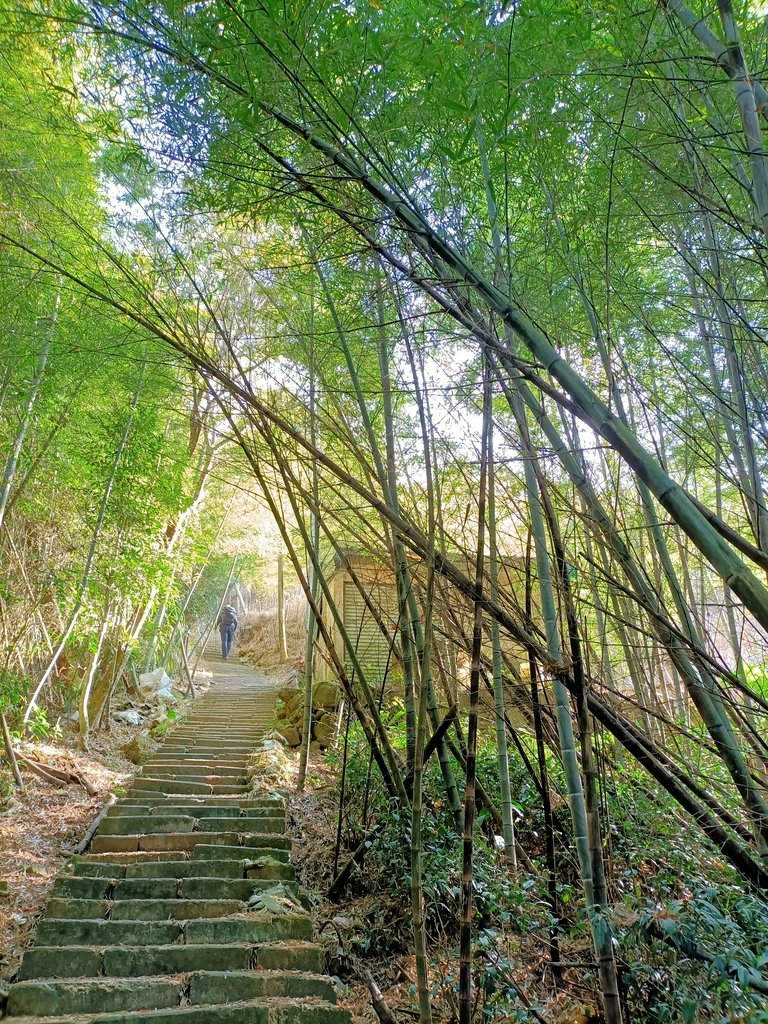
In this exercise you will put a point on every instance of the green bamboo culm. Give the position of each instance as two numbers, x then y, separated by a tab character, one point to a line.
470	795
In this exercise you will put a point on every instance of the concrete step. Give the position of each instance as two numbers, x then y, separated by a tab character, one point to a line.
260	1011
197	810
139	961
153	841
216	735
157	800
167	756
159	823
131	961
191	784
175	820
96	932
175	868
168	842
220	862
150	909
204	753
279	851
225	770
204	887
47	997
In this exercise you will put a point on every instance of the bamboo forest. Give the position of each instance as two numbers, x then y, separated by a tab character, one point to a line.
384	511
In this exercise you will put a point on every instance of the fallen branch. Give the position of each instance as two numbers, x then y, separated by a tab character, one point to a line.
56	776
339	883
380	1005
38	770
742	974
85	842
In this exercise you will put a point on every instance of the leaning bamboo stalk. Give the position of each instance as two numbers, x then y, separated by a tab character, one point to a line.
424	675
502	756
601	937
309	652
384	473
470	802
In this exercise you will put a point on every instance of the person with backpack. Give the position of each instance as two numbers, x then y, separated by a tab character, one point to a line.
227	625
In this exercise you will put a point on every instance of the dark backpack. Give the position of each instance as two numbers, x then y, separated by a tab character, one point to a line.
228	616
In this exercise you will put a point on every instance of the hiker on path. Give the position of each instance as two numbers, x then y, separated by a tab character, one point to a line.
227	624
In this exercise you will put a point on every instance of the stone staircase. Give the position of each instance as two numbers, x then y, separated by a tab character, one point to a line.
154	925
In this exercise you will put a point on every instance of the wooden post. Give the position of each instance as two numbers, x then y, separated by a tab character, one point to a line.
282	644
187	670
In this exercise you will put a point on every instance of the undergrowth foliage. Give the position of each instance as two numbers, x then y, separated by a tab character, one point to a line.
681	923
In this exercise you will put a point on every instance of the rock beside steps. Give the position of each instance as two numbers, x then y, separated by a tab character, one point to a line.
154	924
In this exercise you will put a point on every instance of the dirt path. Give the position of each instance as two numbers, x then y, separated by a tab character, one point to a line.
185	910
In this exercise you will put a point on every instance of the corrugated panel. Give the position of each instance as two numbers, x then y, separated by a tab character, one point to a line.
371	647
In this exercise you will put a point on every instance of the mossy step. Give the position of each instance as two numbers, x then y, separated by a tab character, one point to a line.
158	800
253	824
49	996
126	825
204	753
278	852
159	841
196	771
202	774
250	842
163	756
249	928
133	961
54	931
257	841
233	810
138	961
148	909
94	995
175	868
189	784
216	746
261	1011
122	824
201	734
202	888
182	842
200	768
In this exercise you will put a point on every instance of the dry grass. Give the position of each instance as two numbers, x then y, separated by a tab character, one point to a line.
257	642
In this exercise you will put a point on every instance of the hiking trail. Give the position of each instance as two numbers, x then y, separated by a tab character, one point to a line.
154	925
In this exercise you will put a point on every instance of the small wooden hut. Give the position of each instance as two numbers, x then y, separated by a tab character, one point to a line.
364	591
